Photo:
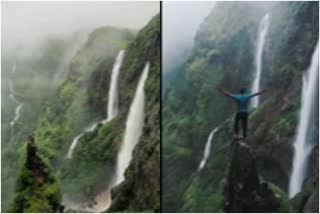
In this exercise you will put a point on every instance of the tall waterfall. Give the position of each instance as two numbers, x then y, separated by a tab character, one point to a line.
263	29
207	149
302	146
14	99
113	89
133	131
112	102
134	126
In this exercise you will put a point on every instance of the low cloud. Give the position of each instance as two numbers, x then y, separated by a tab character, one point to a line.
28	22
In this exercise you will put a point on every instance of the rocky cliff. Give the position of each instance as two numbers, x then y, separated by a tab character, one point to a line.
141	189
37	190
80	100
244	191
223	56
32	75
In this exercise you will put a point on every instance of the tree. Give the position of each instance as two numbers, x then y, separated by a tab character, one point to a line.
37	190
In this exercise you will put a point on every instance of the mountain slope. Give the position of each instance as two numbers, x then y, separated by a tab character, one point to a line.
80	101
30	77
141	189
223	56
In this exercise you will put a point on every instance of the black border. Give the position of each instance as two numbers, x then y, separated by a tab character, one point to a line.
160	113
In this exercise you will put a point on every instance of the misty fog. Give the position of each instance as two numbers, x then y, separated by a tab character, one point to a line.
180	23
26	23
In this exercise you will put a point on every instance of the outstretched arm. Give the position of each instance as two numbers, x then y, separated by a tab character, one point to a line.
259	93
225	92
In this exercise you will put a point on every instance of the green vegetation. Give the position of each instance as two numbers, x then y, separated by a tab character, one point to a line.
67	106
285	206
93	162
142	181
223	56
37	190
34	84
79	102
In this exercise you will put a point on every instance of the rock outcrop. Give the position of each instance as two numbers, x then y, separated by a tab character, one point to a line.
223	56
37	190
245	192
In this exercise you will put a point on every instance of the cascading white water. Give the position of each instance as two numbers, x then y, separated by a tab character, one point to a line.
302	147
112	109
16	115
113	90
207	149
133	131
76	139
73	145
263	29
14	99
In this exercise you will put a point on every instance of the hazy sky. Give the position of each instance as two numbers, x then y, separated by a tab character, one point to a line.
180	23
28	21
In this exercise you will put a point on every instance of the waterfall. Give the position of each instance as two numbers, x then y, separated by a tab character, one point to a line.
16	115
263	29
113	90
112	102
207	149
302	146
77	138
14	99
134	126
73	145
133	131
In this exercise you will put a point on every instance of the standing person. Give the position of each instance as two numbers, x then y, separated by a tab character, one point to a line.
242	99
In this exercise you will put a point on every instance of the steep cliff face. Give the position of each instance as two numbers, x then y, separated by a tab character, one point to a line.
77	101
64	91
97	150
80	102
30	77
82	99
223	55
74	105
244	191
141	189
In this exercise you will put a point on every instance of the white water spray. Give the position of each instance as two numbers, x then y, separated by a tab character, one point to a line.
207	149
76	139
113	90
112	102
14	99
302	147
134	126
133	131
263	29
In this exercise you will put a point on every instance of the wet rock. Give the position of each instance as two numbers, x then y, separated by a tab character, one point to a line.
245	192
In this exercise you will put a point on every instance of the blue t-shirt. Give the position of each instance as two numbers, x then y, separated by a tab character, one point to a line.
242	101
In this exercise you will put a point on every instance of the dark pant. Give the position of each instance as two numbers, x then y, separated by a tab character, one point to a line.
243	117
